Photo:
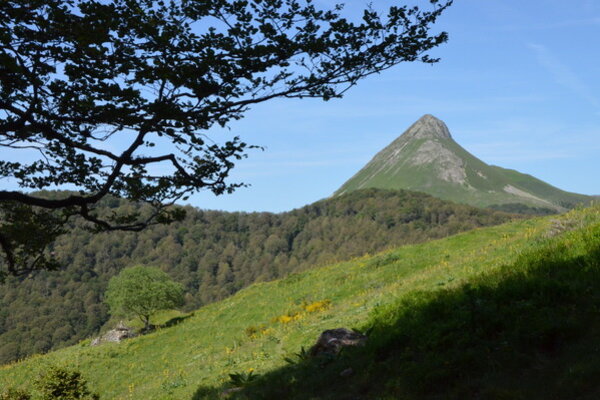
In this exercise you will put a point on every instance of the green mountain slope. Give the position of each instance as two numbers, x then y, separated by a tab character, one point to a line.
214	254
425	158
506	312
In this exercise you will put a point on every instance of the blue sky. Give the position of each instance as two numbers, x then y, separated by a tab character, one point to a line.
517	86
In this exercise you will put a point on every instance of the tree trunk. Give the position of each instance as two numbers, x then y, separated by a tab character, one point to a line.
146	319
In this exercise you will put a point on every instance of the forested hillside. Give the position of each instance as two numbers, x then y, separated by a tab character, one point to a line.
214	254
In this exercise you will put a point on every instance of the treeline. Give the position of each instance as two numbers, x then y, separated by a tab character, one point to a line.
214	254
519	208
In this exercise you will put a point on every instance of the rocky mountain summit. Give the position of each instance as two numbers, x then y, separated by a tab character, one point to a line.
426	158
428	126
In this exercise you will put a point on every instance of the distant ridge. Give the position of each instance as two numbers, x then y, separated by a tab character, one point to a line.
426	158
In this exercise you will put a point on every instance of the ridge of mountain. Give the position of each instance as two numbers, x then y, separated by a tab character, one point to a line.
426	158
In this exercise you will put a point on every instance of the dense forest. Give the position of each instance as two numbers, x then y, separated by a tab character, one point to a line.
214	254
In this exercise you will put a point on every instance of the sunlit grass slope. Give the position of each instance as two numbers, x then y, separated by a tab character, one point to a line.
449	318
527	330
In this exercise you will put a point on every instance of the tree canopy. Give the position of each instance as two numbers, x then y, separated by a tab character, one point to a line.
141	292
115	97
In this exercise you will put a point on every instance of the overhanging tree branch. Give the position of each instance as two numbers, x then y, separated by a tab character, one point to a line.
78	78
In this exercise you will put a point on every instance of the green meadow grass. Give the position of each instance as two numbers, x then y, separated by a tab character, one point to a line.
529	329
398	294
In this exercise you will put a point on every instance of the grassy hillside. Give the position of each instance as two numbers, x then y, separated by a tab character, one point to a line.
214	254
506	312
543	190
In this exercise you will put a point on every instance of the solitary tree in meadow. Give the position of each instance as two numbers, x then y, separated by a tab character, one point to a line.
142	291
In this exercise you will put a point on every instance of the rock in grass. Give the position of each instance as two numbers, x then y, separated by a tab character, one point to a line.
116	335
332	341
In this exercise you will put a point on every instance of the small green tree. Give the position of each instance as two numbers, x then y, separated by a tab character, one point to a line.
63	384
142	291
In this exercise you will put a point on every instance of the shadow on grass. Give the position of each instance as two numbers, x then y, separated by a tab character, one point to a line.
530	331
175	321
171	322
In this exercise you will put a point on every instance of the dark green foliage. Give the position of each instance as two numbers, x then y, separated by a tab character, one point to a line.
214	254
115	97
141	292
529	331
21	230
242	379
299	357
14	394
63	384
519	208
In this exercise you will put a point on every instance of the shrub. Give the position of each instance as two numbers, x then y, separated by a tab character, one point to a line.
242	379
15	394
64	384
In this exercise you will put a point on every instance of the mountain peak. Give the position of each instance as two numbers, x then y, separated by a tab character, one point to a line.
425	158
428	126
